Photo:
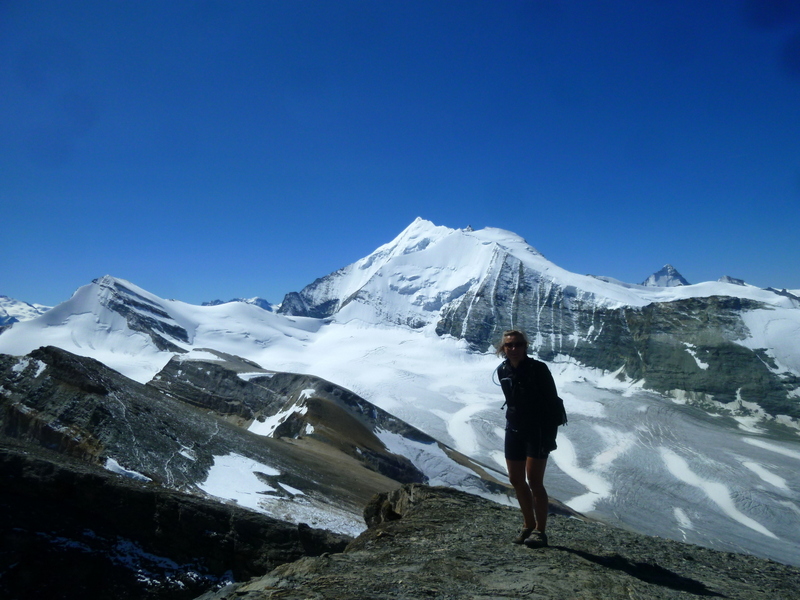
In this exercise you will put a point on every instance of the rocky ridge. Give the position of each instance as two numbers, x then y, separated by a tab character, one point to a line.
438	543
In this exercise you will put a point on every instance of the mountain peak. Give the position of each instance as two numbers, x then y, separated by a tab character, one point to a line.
12	310
411	279
256	301
729	279
668	276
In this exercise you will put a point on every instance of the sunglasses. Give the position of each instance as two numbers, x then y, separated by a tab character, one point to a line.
512	345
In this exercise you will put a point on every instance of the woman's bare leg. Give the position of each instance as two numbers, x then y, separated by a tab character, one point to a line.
517	476
534	471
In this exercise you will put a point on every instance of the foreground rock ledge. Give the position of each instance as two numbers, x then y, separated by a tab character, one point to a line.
71	529
430	542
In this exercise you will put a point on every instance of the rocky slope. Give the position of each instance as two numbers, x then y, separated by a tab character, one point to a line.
686	347
105	480
70	529
323	441
437	543
297	407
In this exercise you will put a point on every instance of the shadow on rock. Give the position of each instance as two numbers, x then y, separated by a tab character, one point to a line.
647	572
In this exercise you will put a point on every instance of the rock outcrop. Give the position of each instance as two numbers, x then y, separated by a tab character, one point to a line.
70	529
437	543
310	407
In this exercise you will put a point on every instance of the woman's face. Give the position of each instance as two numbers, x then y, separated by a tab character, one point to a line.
514	348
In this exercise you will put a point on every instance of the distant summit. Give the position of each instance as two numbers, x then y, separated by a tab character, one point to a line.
13	311
259	302
668	276
729	279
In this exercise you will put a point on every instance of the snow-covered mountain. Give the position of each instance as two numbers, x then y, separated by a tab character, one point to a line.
12	311
260	302
681	399
667	276
713	342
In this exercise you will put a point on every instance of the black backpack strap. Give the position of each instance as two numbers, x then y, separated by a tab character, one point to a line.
500	371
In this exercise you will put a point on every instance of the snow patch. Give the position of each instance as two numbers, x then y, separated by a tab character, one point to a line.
772	447
21	365
717	492
254	375
598	488
775	330
233	477
684	522
692	349
293	491
200	355
766	475
268	426
113	466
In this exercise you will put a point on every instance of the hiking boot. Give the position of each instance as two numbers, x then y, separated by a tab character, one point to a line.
523	535
536	539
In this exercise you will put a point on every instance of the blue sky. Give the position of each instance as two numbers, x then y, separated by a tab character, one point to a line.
210	150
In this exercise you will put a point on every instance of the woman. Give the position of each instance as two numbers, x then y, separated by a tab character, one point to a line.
532	418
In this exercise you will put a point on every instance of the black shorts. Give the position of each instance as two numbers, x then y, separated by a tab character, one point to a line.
537	442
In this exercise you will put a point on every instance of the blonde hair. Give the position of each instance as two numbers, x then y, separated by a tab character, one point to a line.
500	347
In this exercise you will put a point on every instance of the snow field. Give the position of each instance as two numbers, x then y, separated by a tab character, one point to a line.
233	478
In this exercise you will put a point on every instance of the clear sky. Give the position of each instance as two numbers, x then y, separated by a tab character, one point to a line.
206	150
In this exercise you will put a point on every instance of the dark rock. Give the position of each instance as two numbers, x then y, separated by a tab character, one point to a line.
215	385
69	529
142	314
296	304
